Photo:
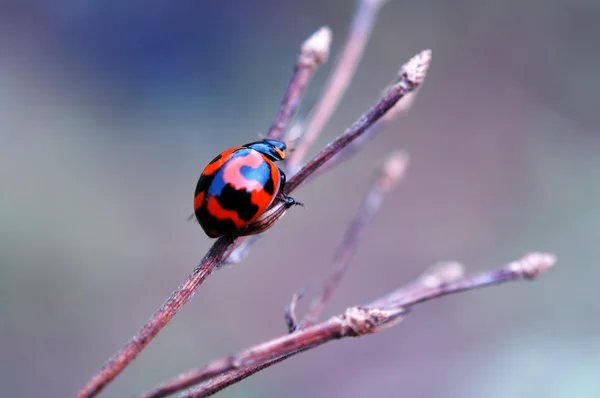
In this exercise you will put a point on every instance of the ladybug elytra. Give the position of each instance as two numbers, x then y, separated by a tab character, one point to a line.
238	186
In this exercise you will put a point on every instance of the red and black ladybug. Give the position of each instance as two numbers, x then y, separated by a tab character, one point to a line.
237	186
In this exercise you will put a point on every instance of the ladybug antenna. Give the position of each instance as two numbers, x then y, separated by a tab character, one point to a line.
191	217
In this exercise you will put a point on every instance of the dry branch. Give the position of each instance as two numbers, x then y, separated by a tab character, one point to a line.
315	51
362	25
388	177
356	321
401	108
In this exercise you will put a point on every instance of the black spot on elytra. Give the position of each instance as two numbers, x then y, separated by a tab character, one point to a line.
238	200
269	186
203	183
210	223
216	158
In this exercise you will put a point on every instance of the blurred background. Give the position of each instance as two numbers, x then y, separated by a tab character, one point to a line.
110	110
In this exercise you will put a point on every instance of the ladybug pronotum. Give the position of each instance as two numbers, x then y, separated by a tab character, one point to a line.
238	186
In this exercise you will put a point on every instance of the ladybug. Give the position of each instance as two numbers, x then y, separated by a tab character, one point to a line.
238	186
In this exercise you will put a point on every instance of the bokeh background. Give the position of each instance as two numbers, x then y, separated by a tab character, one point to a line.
110	110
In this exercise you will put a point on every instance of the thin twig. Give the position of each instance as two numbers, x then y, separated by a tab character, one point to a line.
437	275
388	177
225	380
354	322
416	70
343	71
414	74
400	109
290	312
530	266
314	52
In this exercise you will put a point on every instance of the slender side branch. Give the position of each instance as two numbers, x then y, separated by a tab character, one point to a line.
530	267
315	51
412	77
289	314
354	322
343	71
225	380
401	108
388	177
416	69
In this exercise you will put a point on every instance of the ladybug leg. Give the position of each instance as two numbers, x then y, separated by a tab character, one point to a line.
288	200
282	179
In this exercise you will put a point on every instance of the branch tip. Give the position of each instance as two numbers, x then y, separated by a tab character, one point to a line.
416	68
533	264
395	165
290	311
315	50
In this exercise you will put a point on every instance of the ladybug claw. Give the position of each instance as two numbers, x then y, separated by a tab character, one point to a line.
296	203
289	201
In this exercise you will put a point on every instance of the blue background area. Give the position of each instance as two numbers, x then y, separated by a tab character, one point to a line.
110	110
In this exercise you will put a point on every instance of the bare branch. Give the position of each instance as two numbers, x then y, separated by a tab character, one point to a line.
414	74
401	108
354	322
315	51
529	267
290	312
222	248
225	380
388	177
343	71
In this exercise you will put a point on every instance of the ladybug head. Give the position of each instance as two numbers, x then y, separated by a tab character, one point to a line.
272	149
